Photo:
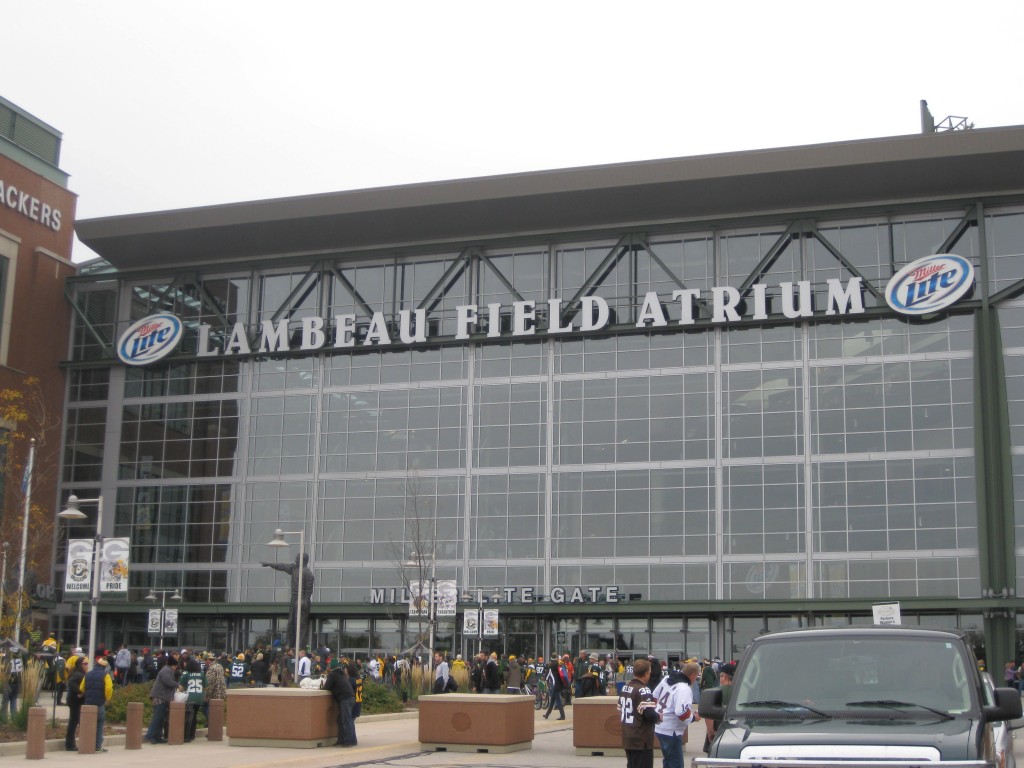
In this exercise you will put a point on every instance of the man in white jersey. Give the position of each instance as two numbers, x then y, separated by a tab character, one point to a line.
675	705
373	665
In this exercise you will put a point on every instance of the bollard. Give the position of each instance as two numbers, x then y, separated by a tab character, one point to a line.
215	721
35	747
176	723
87	729
133	728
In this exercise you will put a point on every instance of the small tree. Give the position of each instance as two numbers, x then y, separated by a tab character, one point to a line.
414	556
23	417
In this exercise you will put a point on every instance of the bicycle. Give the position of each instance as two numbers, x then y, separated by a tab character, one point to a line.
539	693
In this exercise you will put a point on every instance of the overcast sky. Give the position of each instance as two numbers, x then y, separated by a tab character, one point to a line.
177	104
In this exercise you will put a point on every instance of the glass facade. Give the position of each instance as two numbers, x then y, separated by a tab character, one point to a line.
699	469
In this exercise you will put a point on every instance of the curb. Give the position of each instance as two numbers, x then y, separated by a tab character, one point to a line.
19	748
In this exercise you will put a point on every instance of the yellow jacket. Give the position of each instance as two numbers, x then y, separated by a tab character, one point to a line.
108	687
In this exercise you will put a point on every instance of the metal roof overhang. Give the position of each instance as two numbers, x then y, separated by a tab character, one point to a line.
955	165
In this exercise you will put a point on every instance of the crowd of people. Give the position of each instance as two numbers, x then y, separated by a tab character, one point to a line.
656	700
660	702
198	677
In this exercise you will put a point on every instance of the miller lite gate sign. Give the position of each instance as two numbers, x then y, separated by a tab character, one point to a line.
923	287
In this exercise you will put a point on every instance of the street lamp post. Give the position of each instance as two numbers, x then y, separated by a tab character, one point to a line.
278	541
72	512
175	595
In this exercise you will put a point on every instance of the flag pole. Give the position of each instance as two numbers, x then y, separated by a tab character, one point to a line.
26	488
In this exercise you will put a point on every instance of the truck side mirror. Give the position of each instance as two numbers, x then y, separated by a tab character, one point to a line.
1007	706
711	705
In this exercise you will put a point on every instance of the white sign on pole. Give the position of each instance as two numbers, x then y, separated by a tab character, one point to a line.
171	621
886	613
419	598
78	570
470	622
446	598
490	622
154	622
114	566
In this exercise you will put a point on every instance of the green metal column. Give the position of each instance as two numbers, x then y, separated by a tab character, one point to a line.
994	470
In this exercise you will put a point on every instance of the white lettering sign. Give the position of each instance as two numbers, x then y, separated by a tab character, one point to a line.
30	206
886	613
726	304
78	569
446	596
490	622
114	566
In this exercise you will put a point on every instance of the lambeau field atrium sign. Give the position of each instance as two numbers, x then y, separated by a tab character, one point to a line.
922	287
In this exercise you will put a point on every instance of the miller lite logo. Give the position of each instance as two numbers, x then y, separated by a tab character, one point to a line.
150	339
930	284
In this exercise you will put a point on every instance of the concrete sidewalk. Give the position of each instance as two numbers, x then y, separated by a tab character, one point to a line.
390	738
383	739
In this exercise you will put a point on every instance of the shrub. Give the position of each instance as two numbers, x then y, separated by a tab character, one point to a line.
31	682
377	699
117	707
461	676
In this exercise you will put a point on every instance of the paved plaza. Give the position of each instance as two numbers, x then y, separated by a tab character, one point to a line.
389	741
384	740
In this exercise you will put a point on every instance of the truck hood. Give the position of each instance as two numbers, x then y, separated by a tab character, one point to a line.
911	737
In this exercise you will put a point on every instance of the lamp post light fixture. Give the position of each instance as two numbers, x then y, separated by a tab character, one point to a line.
175	595
278	541
72	512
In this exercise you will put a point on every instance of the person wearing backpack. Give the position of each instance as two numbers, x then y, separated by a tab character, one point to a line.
441	673
60	677
556	685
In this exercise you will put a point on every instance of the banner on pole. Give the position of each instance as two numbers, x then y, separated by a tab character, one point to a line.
153	627
171	621
114	566
446	599
78	570
490	622
419	598
470	622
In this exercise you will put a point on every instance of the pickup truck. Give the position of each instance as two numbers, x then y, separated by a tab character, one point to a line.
857	696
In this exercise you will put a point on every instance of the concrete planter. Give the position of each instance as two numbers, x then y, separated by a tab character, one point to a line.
281	717
467	722
596	729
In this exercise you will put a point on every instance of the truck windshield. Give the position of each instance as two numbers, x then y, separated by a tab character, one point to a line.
831	673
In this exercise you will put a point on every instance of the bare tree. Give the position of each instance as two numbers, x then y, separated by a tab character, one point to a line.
414	557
